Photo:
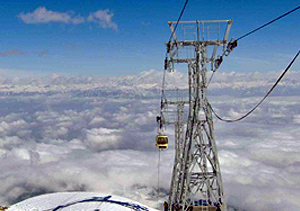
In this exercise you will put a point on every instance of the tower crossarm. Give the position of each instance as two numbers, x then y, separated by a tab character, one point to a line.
194	43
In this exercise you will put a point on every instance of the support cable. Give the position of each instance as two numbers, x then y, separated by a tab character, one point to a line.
232	44
179	18
163	97
166	60
158	177
180	15
268	23
210	78
260	102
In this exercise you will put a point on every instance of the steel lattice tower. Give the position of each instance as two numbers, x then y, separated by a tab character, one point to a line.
196	178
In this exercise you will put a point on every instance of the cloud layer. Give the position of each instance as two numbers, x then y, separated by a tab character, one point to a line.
97	134
41	15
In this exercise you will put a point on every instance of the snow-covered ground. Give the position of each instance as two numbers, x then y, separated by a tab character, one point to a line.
70	201
90	134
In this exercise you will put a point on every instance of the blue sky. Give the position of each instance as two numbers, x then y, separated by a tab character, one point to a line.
127	37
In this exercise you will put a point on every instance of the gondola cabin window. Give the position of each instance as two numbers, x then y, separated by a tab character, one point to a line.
161	142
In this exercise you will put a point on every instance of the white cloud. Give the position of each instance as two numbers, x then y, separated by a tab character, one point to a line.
41	15
103	138
9	142
96	120
296	119
103	18
21	153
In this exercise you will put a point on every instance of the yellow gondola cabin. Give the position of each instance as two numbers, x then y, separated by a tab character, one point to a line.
161	142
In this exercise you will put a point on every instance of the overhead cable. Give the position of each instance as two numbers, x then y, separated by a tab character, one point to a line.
179	18
266	24
172	33
158	177
233	43
260	102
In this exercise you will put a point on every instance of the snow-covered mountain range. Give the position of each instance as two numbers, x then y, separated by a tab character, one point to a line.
149	82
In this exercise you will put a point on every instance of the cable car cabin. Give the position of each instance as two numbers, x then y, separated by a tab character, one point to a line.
202	208
161	142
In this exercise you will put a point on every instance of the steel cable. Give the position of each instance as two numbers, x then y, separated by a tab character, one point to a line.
158	178
172	33
268	23
179	18
260	102
255	30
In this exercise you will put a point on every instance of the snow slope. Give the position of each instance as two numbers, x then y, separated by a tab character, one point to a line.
68	201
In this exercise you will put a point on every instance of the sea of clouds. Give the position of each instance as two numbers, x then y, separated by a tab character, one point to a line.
62	133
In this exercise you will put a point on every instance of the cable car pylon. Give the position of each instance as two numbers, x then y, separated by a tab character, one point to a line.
196	179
